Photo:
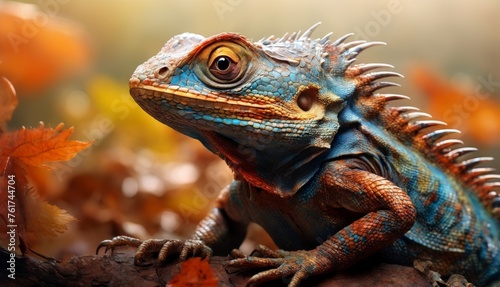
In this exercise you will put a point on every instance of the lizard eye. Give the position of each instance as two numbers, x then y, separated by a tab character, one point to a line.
224	64
224	68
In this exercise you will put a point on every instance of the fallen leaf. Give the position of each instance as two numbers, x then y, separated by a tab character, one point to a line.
194	272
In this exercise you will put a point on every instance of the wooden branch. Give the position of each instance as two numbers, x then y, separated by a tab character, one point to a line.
118	269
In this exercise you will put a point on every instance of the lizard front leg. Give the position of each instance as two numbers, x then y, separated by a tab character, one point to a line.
387	213
217	233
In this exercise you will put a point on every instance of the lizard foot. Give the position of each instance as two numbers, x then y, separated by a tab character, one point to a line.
163	248
282	264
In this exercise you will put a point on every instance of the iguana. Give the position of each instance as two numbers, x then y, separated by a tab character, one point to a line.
320	160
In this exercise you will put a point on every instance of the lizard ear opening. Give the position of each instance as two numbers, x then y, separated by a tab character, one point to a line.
307	97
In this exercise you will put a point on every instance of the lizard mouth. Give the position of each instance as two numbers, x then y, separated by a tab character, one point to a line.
251	107
217	103
195	99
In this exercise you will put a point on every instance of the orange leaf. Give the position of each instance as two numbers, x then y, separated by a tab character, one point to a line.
24	212
13	181
194	272
40	146
8	102
44	219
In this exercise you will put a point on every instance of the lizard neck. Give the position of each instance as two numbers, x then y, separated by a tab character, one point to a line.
280	171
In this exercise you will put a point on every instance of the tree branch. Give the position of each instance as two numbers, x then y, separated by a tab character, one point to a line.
118	269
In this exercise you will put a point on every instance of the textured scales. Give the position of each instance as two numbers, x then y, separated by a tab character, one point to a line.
320	160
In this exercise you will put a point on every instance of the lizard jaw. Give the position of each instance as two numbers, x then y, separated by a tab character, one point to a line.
177	106
253	107
193	98
250	107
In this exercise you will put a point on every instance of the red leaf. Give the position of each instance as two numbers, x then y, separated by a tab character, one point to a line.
194	272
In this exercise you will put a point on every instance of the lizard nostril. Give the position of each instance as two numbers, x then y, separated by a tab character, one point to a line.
161	73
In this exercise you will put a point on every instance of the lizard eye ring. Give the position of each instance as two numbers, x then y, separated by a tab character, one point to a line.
223	65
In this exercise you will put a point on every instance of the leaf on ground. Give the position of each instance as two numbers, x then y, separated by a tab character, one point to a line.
40	146
194	272
8	102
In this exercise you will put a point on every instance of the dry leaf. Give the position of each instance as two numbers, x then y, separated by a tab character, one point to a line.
24	211
39	146
13	182
194	272
44	219
25	214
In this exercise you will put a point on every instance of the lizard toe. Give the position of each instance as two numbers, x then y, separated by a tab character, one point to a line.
252	262
193	248
117	241
264	251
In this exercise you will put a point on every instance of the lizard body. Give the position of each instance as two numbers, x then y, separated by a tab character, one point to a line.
320	160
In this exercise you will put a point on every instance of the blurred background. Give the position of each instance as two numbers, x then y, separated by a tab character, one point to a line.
70	61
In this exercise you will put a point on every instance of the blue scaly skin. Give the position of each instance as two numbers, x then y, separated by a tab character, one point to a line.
320	160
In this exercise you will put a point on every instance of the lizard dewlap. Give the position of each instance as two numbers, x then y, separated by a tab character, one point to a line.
320	160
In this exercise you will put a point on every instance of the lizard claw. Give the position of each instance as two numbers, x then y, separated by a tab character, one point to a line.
117	241
163	248
298	265
185	248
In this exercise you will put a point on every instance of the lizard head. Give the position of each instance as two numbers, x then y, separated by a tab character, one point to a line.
266	107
